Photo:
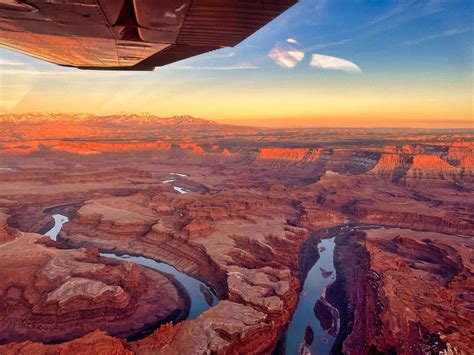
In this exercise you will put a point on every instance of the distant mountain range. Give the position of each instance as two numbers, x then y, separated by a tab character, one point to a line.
38	126
121	119
144	126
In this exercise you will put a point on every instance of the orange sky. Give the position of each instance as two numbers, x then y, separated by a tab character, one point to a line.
386	67
350	102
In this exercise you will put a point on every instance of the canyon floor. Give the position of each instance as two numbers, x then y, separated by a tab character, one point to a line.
241	210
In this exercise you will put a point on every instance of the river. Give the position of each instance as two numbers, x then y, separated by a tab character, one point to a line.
305	334
299	339
59	221
178	189
202	297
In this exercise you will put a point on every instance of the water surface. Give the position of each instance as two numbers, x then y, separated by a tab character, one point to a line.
202	297
314	286
181	190
178	189
59	220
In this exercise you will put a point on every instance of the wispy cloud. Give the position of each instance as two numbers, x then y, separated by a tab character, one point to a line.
326	62
221	55
306	13
448	33
7	62
407	10
401	12
394	12
286	56
328	44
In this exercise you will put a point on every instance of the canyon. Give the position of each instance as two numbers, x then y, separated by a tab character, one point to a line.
259	209
59	288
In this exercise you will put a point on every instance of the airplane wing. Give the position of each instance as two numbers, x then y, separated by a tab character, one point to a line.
129	34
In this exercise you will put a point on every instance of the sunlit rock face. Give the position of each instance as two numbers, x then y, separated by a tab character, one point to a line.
253	198
49	285
4	235
413	295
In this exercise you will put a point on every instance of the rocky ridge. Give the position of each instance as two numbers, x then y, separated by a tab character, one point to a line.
60	288
387	264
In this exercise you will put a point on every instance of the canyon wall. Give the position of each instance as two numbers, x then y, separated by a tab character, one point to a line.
232	207
405	291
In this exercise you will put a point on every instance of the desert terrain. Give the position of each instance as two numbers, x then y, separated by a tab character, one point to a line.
384	217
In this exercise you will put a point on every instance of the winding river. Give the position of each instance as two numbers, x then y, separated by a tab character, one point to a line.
301	339
202	297
305	334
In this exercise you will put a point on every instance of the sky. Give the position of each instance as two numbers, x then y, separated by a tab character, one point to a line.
351	63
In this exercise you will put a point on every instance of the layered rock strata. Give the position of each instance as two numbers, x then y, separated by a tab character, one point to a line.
406	291
52	294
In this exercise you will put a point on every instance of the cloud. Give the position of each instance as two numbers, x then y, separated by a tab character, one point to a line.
286	56
326	62
304	13
7	62
292	40
221	55
407	10
329	44
289	53
401	12
397	10
448	33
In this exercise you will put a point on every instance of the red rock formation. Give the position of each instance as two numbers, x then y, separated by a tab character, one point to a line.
241	227
198	228
197	235
19	148
392	166
80	148
406	291
4	235
78	290
94	343
287	156
431	167
462	155
192	147
351	161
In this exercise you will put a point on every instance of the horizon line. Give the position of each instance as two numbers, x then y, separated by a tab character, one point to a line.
460	124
